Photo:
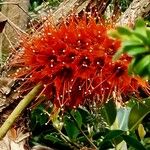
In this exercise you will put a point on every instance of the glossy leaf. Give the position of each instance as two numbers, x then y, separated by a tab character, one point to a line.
38	117
137	114
136	43
134	48
141	37
113	134
72	125
137	51
77	116
71	128
144	62
85	114
133	142
124	31
109	112
132	43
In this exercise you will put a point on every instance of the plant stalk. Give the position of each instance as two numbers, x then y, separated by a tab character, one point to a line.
66	139
18	110
89	140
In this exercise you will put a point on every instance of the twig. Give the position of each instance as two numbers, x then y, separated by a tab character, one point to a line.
12	24
92	144
67	139
15	26
18	110
9	41
24	11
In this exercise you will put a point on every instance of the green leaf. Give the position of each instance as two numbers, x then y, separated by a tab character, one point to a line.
71	128
140	27
134	48
137	114
131	103
72	124
85	114
135	43
131	65
147	142
141	37
38	117
140	23
133	142
132	43
137	51
124	31
148	36
109	112
144	62
113	134
77	116
53	137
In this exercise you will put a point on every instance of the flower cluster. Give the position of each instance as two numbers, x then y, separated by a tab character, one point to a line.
74	63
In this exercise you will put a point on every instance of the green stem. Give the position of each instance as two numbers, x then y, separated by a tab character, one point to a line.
18	110
92	144
66	139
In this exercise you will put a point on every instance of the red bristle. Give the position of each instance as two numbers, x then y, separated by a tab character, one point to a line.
75	60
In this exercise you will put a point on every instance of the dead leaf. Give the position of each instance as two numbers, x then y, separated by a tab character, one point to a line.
14	140
12	134
6	85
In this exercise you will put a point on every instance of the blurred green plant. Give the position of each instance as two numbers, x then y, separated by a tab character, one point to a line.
124	4
35	3
99	128
135	43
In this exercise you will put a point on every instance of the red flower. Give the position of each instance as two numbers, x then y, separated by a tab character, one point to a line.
74	62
